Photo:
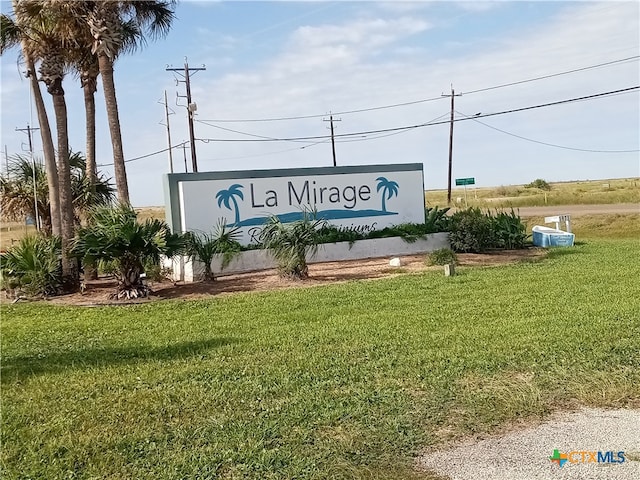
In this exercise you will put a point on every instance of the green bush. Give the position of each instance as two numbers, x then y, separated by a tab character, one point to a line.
203	247
155	272
333	234
510	231
471	231
437	220
442	256
539	183
289	243
33	266
475	231
115	236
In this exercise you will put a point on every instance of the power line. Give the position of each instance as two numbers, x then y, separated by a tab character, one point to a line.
545	143
415	102
553	75
145	156
390	131
420	125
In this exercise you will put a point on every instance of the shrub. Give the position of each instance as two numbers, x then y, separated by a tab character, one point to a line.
437	220
471	231
539	183
33	265
333	234
289	243
203	247
442	256
475	231
510	231
155	272
114	235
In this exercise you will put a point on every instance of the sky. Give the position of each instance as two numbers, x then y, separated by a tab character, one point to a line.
384	71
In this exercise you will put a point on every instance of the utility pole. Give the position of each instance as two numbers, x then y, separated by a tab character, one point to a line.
33	173
453	95
186	73
166	114
333	142
6	159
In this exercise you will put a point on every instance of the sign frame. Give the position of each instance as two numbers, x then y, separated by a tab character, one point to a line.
175	185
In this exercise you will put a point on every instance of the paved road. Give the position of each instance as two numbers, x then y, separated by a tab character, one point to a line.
577	210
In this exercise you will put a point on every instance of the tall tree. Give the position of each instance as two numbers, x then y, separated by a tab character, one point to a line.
107	20
16	190
17	32
48	43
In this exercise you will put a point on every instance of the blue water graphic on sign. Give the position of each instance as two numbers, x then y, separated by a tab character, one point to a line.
323	215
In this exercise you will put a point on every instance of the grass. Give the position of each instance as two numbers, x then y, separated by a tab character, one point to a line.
345	381
611	191
617	225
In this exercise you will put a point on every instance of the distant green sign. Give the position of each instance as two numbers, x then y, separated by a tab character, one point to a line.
465	181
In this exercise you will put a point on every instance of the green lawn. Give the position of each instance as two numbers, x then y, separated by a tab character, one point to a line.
345	381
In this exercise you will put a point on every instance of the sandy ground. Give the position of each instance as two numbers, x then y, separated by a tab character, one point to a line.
98	292
524	454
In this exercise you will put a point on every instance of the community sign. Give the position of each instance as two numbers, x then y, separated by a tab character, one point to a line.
358	198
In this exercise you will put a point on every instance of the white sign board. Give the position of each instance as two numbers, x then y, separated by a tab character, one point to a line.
361	198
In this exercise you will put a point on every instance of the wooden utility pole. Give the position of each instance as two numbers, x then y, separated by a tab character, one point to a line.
186	73
333	142
166	114
453	95
33	174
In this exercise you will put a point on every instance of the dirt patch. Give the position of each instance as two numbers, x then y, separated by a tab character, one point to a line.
97	292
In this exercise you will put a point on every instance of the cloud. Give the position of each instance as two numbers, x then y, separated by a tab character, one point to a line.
370	57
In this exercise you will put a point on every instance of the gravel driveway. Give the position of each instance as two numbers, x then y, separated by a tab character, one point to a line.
524	455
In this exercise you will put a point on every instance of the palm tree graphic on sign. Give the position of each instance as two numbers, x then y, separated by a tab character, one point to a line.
228	196
389	189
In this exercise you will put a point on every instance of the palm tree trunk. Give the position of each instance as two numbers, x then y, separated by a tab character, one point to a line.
47	146
90	122
70	273
106	72
89	87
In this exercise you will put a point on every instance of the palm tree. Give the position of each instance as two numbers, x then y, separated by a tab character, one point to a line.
115	235
290	243
17	32
107	20
16	191
389	189
88	69
226	196
87	66
87	193
47	44
203	247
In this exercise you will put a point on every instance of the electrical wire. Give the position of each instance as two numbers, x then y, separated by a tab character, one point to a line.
544	143
415	102
145	156
543	77
204	122
323	138
420	125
